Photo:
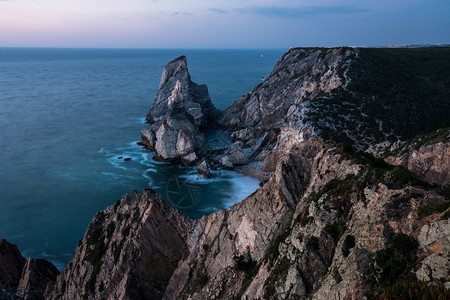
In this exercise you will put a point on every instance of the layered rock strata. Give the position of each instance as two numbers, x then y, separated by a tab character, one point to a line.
130	251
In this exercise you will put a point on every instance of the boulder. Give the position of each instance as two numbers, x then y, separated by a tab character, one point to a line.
203	169
189	159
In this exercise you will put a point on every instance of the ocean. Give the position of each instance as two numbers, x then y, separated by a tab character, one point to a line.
69	118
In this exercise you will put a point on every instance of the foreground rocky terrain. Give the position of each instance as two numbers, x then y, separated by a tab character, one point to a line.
328	223
22	278
340	216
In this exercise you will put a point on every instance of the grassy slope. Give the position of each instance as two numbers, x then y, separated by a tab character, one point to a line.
407	89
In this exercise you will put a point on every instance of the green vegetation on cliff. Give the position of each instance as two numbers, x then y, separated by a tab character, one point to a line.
391	94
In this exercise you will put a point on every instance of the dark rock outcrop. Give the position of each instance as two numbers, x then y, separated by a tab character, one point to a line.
203	169
20	278
11	264
129	251
36	274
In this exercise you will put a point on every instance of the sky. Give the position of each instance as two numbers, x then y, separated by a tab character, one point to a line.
222	23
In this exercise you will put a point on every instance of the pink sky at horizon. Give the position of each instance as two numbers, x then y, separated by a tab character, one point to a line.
220	23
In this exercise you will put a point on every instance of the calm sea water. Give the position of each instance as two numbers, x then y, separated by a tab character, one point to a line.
68	115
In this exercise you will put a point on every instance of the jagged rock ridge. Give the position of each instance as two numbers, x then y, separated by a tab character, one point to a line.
129	251
196	97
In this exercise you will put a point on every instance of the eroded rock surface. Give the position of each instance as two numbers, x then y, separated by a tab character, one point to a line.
180	110
129	251
314	230
325	225
426	156
196	97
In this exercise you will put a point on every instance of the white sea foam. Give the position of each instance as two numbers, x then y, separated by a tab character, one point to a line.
117	176
209	209
140	120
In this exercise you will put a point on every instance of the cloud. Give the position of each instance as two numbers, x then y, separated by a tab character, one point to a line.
177	13
299	13
218	10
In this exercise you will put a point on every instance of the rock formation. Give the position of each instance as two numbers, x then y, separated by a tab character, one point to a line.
427	156
20	278
180	109
360	96
129	251
11	264
36	274
203	169
331	221
196	97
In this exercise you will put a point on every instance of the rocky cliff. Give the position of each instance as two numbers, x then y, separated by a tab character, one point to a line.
327	224
331	221
353	95
130	251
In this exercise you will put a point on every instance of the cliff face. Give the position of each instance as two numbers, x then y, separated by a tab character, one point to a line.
328	223
320	227
315	229
428	156
272	116
361	96
129	251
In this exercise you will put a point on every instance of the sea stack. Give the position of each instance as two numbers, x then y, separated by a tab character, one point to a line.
180	111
